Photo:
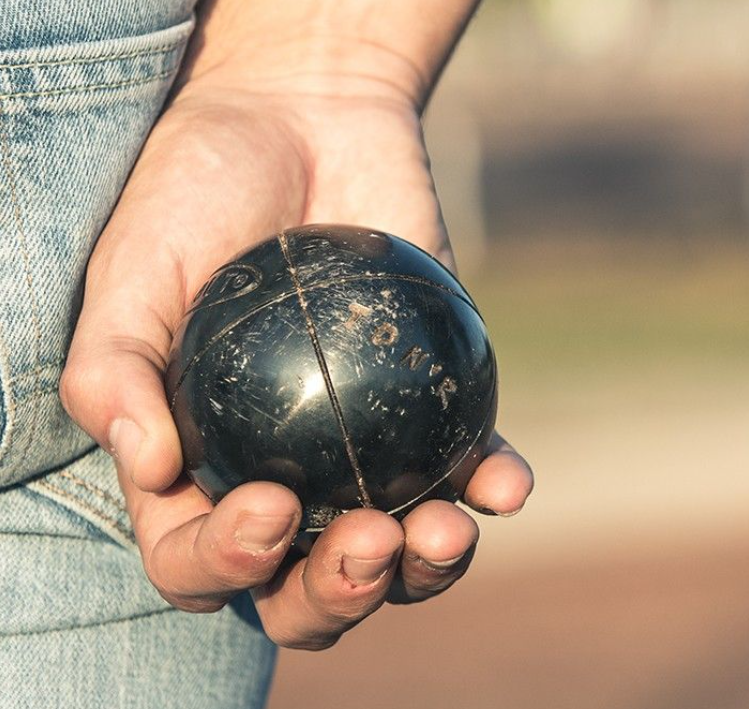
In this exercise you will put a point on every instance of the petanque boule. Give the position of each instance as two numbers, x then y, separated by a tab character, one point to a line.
342	362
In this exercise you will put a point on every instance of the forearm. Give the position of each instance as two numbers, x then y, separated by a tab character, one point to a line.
395	48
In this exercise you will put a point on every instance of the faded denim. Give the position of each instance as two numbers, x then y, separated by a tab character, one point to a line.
81	84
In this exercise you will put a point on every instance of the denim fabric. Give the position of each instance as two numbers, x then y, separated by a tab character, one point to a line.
81	627
81	84
72	120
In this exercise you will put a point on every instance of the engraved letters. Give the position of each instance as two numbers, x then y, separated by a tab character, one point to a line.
357	311
385	334
447	387
415	357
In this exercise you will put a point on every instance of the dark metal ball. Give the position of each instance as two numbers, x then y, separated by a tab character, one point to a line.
344	363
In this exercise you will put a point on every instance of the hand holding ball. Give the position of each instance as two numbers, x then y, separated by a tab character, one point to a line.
346	364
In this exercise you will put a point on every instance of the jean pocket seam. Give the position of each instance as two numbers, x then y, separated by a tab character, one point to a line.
89	88
91	509
96	58
103	494
87	486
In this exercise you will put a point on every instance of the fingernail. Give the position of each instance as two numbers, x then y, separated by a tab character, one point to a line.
363	572
443	566
125	439
487	511
260	533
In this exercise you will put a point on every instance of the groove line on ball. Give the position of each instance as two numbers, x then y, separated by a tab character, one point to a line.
349	446
217	338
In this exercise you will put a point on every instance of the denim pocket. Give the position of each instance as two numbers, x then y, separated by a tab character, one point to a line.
73	118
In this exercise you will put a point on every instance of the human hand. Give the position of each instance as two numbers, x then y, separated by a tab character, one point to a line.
224	168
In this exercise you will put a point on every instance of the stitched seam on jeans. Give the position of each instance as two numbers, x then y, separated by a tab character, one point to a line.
41	535
46	390
36	370
93	488
137	616
97	58
5	146
87	87
41	390
93	510
35	373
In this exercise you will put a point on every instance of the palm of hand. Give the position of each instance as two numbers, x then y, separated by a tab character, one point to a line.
241	167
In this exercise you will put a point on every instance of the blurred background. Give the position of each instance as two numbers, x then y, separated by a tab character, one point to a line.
592	159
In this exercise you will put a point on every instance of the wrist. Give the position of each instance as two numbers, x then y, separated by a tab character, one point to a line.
313	67
373	48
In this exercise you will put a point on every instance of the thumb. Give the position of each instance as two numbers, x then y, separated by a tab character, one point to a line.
112	387
183	212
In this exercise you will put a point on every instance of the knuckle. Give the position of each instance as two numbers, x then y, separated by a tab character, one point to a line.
231	568
78	381
161	581
316	645
350	611
291	640
71	386
345	607
177	598
241	578
192	605
278	634
434	585
154	576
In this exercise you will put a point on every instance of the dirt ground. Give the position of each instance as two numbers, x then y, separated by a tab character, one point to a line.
662	630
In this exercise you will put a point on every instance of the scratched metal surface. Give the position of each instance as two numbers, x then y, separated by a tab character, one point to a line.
343	363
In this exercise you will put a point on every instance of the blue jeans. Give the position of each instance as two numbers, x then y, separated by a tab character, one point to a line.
81	84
